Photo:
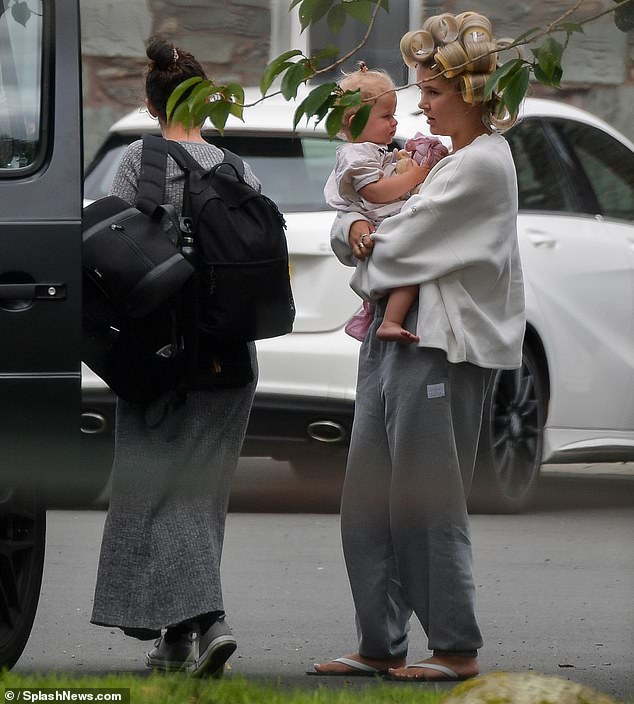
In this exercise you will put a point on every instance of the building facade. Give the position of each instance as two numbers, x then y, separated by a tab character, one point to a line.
235	39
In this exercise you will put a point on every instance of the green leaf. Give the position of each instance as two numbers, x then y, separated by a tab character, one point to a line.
360	120
315	99
515	90
334	120
311	10
548	57
359	10
199	113
275	67
294	3
351	98
318	9
325	108
293	78
297	115
330	51
548	80
507	68
218	114
235	92
177	94
336	19
201	93
182	116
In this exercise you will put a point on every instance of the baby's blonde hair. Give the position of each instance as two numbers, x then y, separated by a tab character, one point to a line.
371	83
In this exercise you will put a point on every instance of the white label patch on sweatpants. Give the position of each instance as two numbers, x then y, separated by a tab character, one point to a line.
435	390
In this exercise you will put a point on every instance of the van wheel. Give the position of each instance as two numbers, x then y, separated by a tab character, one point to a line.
22	544
511	441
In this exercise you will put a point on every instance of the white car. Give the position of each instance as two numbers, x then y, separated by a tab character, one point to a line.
573	398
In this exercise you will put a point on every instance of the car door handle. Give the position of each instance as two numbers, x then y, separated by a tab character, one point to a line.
34	291
542	241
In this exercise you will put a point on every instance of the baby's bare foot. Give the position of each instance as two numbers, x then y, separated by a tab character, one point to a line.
393	332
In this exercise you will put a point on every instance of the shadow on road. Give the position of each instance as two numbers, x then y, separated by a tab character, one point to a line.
575	491
265	486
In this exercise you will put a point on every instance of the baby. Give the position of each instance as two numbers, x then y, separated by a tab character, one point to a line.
369	179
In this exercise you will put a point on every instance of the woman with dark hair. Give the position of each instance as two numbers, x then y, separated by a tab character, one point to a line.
419	407
159	567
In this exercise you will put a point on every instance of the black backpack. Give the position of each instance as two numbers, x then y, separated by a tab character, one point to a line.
239	249
133	276
133	255
144	356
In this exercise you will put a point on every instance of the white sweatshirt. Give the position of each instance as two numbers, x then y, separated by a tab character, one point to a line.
456	239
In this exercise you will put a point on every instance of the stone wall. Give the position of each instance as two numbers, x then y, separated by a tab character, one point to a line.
231	38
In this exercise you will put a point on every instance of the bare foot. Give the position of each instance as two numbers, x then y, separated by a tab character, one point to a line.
393	332
460	668
340	667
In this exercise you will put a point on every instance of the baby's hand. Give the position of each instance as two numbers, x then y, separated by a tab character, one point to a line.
421	171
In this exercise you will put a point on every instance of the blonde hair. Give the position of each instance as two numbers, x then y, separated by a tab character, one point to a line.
371	83
461	47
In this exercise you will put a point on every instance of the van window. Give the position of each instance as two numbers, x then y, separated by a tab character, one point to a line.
21	61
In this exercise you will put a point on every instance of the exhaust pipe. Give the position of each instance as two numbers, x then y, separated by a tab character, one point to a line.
327	431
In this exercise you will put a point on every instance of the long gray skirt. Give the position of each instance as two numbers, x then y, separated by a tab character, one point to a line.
162	542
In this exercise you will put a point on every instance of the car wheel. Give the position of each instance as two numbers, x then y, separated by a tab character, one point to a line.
511	440
22	543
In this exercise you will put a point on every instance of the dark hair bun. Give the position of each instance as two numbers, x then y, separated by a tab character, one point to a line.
160	52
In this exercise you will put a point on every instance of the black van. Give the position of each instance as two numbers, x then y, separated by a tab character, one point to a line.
43	461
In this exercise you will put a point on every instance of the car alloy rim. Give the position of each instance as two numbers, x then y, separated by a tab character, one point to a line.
516	429
18	541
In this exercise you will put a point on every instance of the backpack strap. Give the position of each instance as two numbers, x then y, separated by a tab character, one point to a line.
151	186
182	157
235	161
187	162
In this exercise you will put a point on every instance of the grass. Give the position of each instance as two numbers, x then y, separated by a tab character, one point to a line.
176	689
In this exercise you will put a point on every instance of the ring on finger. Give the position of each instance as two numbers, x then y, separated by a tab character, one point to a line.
361	245
362	238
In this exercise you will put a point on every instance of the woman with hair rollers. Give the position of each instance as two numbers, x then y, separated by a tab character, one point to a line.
419	407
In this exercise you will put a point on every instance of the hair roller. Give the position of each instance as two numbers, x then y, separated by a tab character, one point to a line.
472	87
474	27
482	57
416	47
443	28
451	59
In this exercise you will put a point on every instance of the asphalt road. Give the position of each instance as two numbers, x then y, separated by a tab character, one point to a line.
555	585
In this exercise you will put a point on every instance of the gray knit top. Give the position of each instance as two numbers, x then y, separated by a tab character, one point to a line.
126	179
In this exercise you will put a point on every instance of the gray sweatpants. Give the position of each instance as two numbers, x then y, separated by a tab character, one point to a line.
404	521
